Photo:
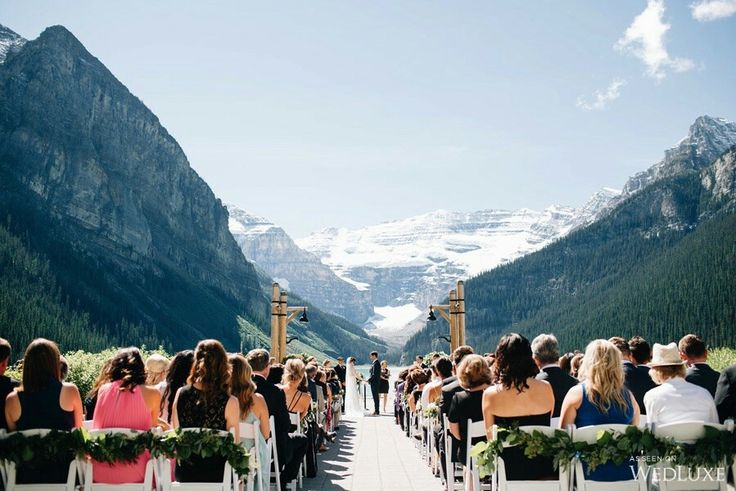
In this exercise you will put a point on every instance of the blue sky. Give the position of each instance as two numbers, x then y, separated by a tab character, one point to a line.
350	113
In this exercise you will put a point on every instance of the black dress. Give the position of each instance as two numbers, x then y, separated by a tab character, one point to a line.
385	375
465	405
41	410
518	466
194	412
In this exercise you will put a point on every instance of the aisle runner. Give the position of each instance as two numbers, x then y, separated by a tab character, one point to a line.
373	455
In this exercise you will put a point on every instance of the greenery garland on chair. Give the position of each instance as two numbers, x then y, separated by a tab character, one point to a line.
709	451
118	447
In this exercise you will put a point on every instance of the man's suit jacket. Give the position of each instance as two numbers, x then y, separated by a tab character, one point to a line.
375	376
703	375
341	370
312	386
638	381
725	398
560	381
276	402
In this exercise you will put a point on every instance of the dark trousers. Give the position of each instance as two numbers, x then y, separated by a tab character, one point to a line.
375	387
297	448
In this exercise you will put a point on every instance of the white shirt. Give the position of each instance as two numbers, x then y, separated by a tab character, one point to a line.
677	400
427	389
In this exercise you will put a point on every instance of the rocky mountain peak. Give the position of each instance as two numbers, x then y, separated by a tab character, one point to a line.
9	41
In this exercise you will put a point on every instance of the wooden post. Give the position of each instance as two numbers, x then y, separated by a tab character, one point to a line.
283	321
453	321
275	310
461	313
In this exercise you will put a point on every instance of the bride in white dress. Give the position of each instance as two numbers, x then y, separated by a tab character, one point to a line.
353	407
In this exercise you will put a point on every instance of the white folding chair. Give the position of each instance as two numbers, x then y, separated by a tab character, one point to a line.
274	453
554	422
87	468
471	479
249	431
589	434
10	472
700	478
87	424
500	483
229	478
451	469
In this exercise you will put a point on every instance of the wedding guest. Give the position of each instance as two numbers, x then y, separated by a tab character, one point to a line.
419	379
205	402
564	362
602	398
474	376
676	400
450	386
695	353
311	373
63	368
90	400
253	409
43	401
518	398
725	398
7	384
125	402
546	353
575	363
637	381
290	446
176	378
441	369
156	367
383	389
276	373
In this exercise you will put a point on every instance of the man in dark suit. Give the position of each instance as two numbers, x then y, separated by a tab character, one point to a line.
637	380
546	354
375	381
725	398
290	446
694	352
450	386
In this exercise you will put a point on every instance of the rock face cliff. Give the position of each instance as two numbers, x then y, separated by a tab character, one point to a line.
95	180
270	248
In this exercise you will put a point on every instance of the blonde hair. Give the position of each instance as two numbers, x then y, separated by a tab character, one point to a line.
293	371
603	374
473	372
156	365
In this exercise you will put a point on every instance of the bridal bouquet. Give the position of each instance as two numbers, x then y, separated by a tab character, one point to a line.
432	410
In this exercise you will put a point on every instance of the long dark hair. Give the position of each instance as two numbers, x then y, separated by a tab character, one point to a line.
41	364
514	362
127	365
210	369
176	378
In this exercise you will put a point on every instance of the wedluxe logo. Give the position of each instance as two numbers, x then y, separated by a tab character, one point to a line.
673	472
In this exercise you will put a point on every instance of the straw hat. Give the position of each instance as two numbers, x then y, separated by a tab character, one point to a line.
665	356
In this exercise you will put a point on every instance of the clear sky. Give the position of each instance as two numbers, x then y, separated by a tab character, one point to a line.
349	113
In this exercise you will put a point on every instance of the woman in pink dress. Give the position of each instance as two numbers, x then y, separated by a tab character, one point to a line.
125	402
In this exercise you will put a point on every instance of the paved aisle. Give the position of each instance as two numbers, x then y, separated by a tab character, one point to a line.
373	454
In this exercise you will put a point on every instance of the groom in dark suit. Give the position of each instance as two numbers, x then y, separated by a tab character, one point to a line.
375	380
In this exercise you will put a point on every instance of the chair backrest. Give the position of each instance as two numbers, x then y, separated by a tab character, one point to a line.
589	434
87	424
274	453
247	430
686	431
545	430
554	422
476	429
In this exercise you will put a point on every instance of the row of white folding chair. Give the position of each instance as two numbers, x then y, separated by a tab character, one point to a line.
452	471
250	431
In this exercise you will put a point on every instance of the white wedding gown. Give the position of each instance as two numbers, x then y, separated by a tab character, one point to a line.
353	407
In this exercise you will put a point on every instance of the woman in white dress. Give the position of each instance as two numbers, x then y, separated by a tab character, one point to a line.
353	407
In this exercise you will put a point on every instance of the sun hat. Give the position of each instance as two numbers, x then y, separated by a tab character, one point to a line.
665	355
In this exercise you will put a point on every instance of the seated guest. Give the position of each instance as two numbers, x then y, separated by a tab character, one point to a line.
90	400
205	402
276	373
564	362
694	352
43	402
474	376
518	398
637	381
399	390
676	400
546	353
156	367
290	446
253	409
450	386
419	379
7	384
125	402
311	373
641	355
575	364
176	378
63	368
602	398
442	369
298	401
725	398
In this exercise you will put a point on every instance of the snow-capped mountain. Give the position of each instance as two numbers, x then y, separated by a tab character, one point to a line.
275	253
9	41
411	263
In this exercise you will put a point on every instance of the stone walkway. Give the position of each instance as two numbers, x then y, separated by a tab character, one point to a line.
372	454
